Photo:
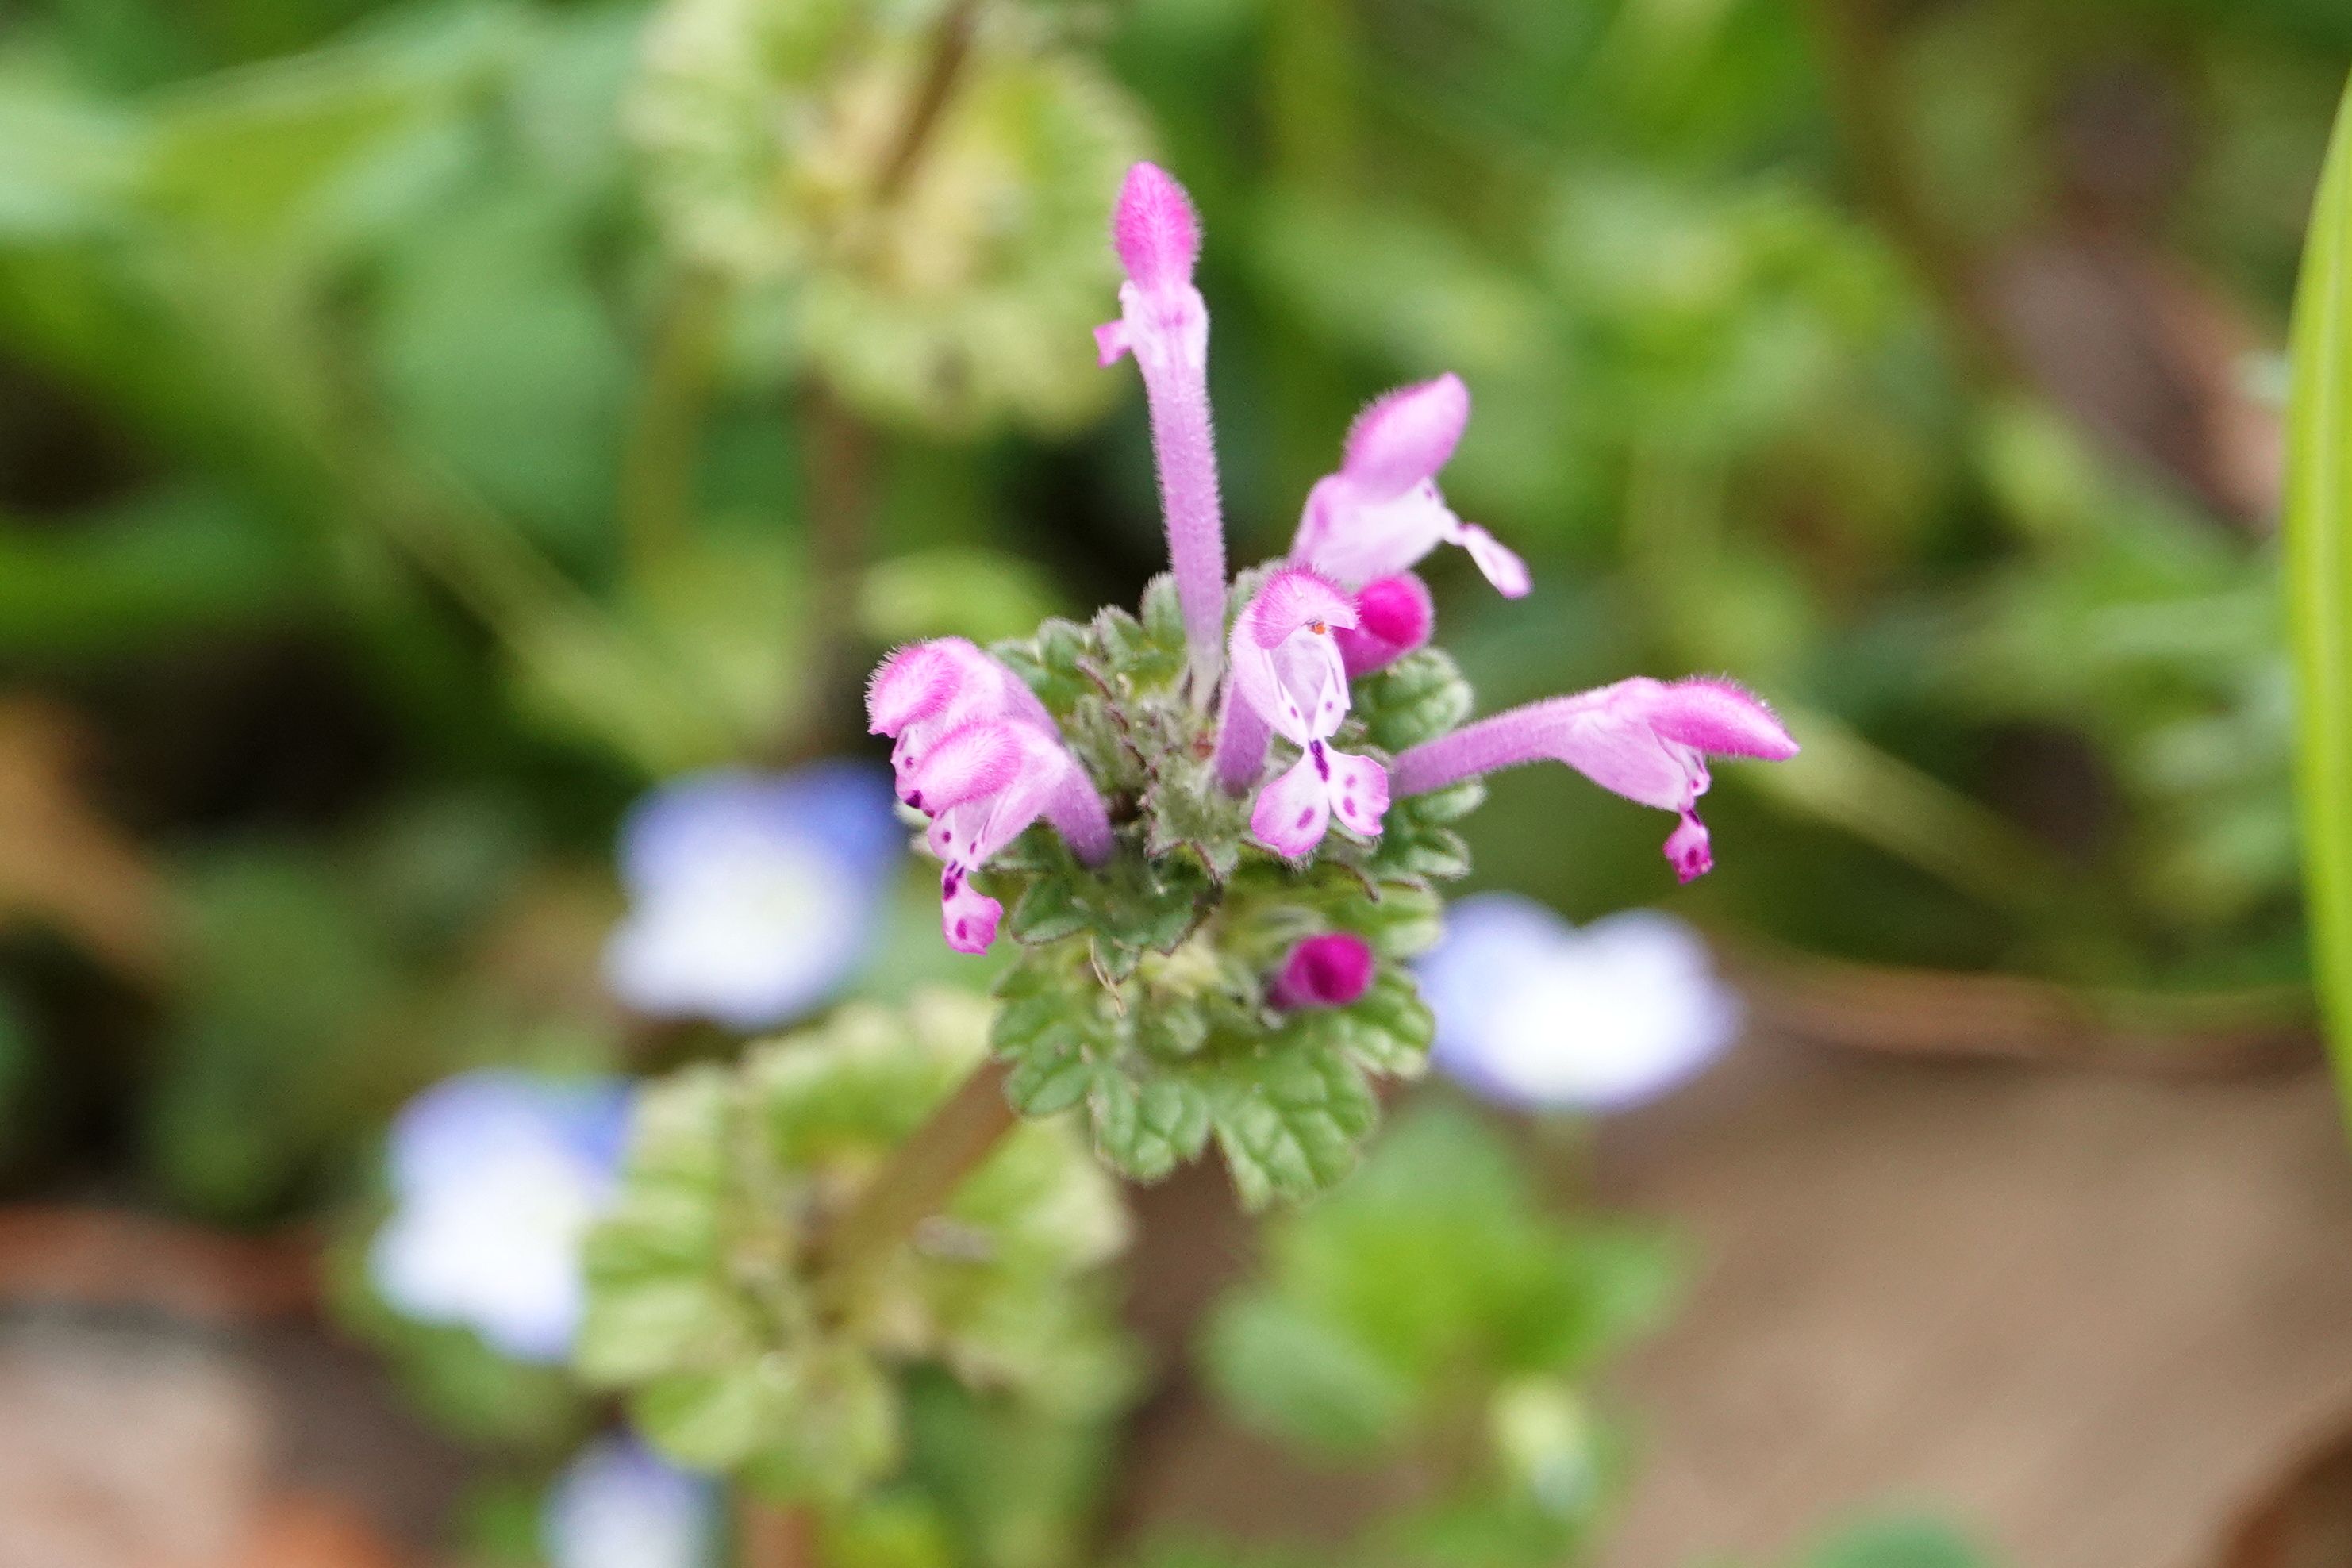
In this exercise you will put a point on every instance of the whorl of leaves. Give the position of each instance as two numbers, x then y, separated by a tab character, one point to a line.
1141	994
702	1302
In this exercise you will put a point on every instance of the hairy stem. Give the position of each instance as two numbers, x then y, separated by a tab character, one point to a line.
951	45
1856	60
916	1183
840	459
657	483
767	1536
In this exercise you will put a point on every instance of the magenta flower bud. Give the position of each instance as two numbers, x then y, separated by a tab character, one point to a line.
1327	971
1382	512
1287	679
1394	617
1164	323
1155	229
1646	739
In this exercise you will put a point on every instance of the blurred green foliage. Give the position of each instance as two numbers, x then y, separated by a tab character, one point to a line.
424	422
577	390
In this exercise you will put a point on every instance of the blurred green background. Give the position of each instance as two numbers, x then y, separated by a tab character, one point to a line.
424	426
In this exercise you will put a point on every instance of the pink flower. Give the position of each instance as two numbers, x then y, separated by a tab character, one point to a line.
983	784
926	690
1393	616
1327	971
1287	679
1381	512
1164	323
1646	740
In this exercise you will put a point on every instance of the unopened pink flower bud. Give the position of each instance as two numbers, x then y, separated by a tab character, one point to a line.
1327	971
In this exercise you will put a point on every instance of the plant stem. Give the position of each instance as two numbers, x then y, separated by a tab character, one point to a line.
1862	83
840	455
657	482
951	45
767	1536
914	1185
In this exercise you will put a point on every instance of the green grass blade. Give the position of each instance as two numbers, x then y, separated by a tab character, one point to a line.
2319	581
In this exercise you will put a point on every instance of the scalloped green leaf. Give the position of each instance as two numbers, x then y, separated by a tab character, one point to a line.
1289	1125
1148	1127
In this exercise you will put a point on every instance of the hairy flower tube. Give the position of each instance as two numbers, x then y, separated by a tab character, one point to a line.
1538	1013
496	1178
1164	323
1202	955
1646	740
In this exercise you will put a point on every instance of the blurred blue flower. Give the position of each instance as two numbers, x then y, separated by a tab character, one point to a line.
496	1177
1533	1011
619	1506
752	896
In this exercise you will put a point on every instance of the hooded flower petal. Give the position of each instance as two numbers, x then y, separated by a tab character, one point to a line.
751	896
496	1178
1382	511
1533	1011
1644	738
1164	323
928	689
984	785
1285	663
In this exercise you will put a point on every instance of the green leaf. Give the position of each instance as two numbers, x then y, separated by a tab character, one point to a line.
1287	1370
498	357
1437	1278
952	591
1289	1125
2319	525
1051	663
1897	1542
699	1301
1148	1127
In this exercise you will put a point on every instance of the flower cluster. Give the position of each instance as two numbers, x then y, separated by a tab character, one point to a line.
1247	786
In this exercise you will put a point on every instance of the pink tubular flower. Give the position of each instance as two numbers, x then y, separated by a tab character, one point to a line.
1165	324
1327	971
983	784
1381	512
927	690
1287	679
1646	740
1393	616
